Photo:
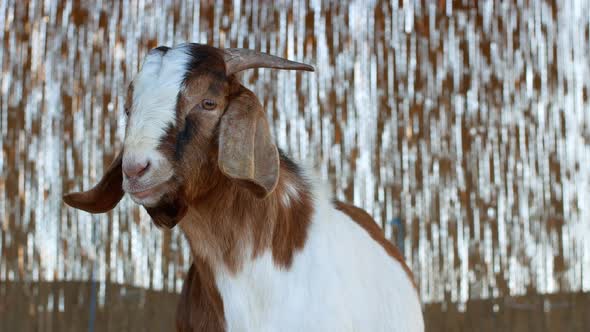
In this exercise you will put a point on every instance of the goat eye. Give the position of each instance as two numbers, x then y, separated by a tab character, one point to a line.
208	104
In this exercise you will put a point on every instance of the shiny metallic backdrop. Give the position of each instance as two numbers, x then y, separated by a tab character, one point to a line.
464	129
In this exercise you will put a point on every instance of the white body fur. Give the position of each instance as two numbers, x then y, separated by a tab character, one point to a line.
342	280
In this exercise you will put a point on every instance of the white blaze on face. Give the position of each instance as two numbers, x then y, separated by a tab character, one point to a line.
155	91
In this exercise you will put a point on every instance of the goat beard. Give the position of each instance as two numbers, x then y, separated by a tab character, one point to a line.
169	211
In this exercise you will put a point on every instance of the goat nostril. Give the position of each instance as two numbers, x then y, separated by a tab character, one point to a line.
136	169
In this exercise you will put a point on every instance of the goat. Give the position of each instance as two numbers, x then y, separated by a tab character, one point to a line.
271	251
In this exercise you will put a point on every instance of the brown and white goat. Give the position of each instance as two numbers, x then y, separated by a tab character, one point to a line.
271	251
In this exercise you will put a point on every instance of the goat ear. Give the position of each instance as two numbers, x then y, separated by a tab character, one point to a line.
246	151
105	195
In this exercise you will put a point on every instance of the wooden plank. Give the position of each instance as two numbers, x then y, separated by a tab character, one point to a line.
24	307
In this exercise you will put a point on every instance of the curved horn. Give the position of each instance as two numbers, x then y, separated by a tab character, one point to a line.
238	59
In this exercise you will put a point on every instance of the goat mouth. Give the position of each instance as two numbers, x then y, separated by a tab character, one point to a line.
144	194
147	193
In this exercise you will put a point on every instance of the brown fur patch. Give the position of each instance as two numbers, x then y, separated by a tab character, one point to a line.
363	219
292	222
168	212
129	99
200	307
228	224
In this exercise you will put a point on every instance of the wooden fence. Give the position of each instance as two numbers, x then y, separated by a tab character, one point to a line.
68	306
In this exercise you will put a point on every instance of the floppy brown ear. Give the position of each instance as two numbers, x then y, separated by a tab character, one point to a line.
246	150
105	195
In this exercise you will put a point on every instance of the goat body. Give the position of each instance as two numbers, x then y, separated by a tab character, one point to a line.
271	251
344	276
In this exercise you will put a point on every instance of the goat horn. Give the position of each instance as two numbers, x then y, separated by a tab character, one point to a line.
238	59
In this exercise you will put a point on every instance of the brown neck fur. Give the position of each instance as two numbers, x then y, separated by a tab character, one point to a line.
226	224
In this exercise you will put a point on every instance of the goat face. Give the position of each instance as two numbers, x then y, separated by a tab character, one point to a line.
173	105
189	119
